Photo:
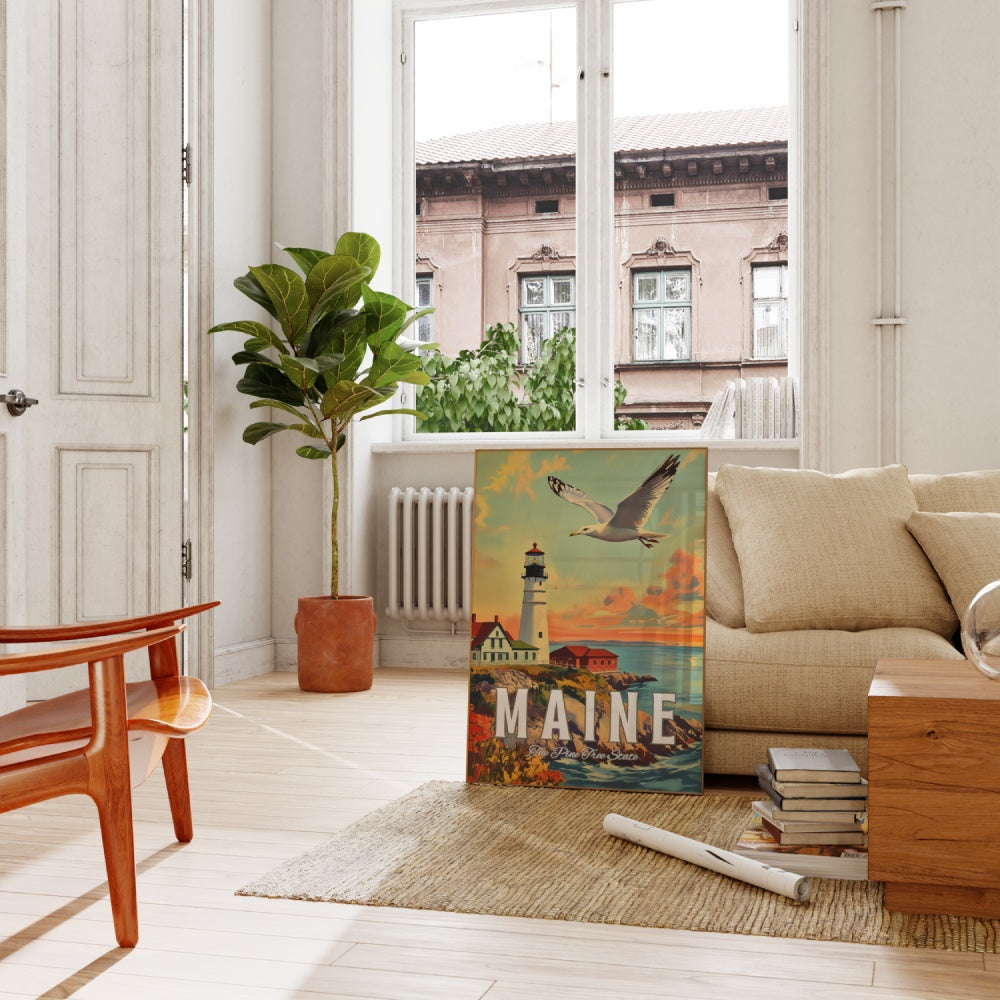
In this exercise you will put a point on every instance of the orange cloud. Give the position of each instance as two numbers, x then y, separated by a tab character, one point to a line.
518	476
674	605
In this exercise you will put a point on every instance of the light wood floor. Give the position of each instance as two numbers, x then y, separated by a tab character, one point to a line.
274	773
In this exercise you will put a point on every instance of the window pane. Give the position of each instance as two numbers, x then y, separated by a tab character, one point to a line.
647	287
423	292
495	128
700	97
532	334
533	291
561	320
647	335
562	291
769	330
675	338
677	286
767	282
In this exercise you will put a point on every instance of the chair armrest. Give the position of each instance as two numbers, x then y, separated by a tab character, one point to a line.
93	652
93	630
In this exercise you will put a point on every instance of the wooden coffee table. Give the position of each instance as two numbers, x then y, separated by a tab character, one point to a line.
934	787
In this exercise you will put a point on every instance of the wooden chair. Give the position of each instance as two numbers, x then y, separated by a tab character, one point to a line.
106	739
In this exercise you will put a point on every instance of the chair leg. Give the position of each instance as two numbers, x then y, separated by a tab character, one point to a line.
175	772
110	788
115	812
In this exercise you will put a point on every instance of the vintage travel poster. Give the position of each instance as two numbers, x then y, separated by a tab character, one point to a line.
588	597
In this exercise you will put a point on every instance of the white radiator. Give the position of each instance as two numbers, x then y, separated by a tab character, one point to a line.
430	553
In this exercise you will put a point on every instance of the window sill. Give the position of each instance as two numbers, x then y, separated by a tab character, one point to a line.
462	444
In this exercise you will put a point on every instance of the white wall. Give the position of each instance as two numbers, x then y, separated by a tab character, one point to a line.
948	107
297	196
242	231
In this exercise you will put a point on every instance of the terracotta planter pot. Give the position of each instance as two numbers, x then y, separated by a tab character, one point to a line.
336	643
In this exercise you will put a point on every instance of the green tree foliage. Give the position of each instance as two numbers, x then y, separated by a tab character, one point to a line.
487	389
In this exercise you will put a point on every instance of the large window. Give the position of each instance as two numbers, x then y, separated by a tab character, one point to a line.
633	231
548	305
661	311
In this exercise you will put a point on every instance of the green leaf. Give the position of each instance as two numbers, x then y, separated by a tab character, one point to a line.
402	409
269	382
259	431
250	287
384	316
308	451
363	248
305	259
392	365
345	399
310	430
251	357
287	293
412	318
335	283
279	405
344	343
301	371
259	334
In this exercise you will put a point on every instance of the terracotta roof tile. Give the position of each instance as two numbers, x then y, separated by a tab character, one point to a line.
687	130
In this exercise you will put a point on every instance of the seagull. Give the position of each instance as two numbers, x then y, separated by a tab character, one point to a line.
625	523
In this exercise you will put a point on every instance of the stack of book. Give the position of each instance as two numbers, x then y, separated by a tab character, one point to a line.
813	815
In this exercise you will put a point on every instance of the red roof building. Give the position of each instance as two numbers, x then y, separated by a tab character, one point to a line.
585	658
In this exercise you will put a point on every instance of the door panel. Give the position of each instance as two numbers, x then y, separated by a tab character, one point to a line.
103	340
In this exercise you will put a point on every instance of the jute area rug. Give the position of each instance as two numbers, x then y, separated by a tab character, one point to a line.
542	852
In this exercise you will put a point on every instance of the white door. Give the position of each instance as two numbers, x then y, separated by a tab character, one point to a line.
94	471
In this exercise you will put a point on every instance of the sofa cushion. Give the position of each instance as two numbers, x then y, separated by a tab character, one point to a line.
974	491
723	583
809	681
820	551
964	549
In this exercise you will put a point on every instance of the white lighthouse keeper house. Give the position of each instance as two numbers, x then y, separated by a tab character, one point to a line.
534	628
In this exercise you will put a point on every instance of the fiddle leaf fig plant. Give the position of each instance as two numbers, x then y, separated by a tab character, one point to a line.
332	355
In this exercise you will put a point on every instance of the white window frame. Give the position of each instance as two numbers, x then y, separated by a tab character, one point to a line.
595	264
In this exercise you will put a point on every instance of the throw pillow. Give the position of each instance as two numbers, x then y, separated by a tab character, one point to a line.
831	552
964	548
973	491
723	583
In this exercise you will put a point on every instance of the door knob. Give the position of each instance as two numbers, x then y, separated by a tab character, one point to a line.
17	402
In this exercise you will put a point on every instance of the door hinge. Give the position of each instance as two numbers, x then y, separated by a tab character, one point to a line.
187	560
186	164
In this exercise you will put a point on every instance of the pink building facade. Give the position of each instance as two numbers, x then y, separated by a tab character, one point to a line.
701	248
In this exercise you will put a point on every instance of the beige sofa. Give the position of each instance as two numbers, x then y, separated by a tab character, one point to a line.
811	578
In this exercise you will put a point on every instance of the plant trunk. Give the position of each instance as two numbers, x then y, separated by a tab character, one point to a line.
334	511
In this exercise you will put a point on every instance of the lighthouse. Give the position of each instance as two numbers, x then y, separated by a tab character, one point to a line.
534	613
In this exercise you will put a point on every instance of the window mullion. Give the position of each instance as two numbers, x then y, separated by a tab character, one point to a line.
595	223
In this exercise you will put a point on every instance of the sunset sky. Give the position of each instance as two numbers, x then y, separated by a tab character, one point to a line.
596	590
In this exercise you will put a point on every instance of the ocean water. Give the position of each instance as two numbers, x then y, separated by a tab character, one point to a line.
677	670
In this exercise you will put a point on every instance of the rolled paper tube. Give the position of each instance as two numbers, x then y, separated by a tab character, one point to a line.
706	856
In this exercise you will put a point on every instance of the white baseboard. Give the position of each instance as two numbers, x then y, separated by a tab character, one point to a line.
247	659
286	654
415	650
450	652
